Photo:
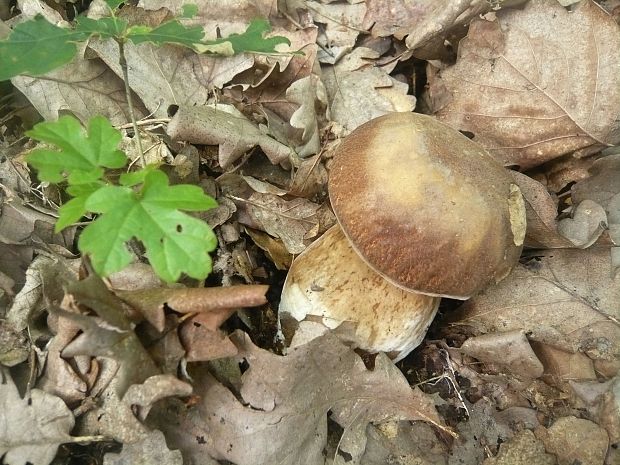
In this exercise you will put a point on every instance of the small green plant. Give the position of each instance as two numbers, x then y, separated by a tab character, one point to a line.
36	46
140	204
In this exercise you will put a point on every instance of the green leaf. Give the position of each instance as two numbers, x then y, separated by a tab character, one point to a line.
106	28
252	40
74	209
37	47
175	242
81	156
189	11
134	178
171	32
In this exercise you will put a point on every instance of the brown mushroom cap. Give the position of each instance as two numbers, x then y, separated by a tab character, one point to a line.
425	207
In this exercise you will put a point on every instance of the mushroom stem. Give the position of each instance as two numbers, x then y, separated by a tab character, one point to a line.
329	283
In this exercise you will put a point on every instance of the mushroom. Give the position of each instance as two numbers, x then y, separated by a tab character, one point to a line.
423	213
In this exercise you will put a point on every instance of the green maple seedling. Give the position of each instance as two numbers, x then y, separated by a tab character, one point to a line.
143	205
36	46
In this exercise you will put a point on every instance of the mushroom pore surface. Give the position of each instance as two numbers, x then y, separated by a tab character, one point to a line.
425	207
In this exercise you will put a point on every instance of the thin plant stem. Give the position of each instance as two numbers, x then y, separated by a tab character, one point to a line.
123	62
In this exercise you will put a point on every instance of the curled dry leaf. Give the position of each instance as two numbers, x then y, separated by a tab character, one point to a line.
155	388
310	178
566	299
309	93
151	302
59	377
585	226
536	83
275	249
559	173
282	415
541	210
602	184
603	187
232	132
98	339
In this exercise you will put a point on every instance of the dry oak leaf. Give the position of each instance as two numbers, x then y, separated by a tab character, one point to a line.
280	414
535	83
234	133
359	91
566	299
292	221
31	429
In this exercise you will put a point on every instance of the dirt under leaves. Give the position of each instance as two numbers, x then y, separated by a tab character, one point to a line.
128	370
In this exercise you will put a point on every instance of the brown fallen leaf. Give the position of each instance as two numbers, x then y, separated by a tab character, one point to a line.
587	222
157	387
292	221
523	448
536	83
561	366
575	440
603	187
281	413
358	91
232	132
343	24
510	349
99	339
59	377
566	299
309	93
388	17
111	335
601	400
203	341
151	302
414	441
274	248
32	427
560	172
310	178
541	210
602	184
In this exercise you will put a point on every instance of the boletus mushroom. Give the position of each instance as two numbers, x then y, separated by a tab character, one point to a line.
423	213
